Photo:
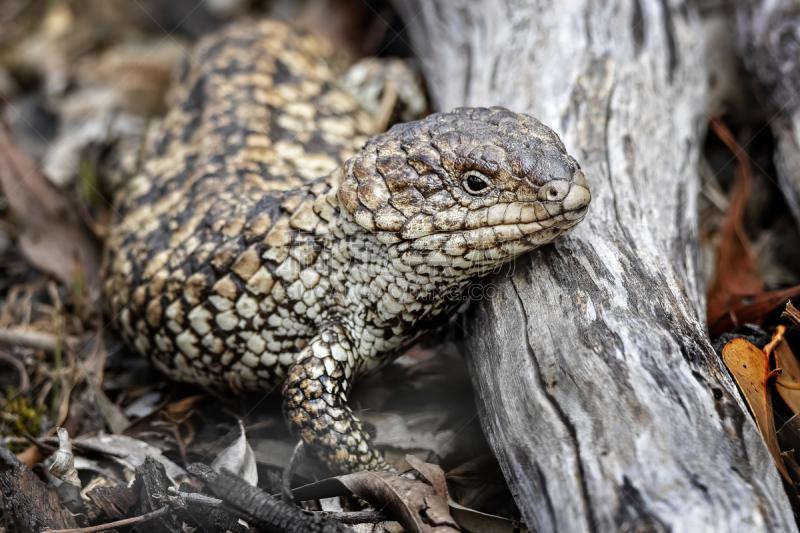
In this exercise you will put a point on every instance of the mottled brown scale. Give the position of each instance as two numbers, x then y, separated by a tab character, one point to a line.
264	243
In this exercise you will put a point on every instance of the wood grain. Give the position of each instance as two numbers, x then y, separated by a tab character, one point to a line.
599	390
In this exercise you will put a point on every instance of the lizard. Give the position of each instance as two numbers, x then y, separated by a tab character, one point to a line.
271	239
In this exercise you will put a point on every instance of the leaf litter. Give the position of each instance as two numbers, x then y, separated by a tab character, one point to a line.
747	291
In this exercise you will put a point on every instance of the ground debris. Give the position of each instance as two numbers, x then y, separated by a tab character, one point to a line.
32	504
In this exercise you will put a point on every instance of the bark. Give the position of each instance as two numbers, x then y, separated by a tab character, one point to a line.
598	388
768	35
261	510
29	504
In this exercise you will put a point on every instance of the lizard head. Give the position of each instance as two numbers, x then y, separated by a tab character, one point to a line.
468	189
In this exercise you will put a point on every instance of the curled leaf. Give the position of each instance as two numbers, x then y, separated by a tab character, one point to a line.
239	459
792	314
414	504
788	382
750	369
63	466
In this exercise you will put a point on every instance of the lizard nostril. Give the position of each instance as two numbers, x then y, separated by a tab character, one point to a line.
554	191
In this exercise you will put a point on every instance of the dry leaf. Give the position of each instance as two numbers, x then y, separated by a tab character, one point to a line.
239	459
128	452
750	369
739	309
737	272
472	521
788	382
736	295
431	473
63	466
477	481
55	238
792	314
176	413
414	504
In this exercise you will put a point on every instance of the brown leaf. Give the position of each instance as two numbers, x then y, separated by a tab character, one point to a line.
477	481
737	271
431	473
739	309
414	504
792	314
55	237
788	382
750	369
736	295
176	413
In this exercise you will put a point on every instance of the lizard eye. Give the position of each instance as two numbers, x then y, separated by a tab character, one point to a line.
475	182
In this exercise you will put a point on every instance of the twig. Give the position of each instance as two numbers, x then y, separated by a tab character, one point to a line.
39	443
24	380
35	339
126	522
259	509
288	472
367	516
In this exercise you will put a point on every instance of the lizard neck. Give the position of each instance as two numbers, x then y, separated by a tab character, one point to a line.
389	282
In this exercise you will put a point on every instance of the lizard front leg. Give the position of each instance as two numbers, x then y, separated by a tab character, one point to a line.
315	404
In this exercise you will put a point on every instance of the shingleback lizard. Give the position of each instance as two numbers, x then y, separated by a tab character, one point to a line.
268	240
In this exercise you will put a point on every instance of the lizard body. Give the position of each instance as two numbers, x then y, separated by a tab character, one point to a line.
267	240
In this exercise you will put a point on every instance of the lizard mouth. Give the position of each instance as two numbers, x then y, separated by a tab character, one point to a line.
530	223
528	235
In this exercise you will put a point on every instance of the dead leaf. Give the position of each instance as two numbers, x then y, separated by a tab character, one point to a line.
792	314
737	271
736	295
740	309
129	452
473	521
32	456
788	382
55	236
63	466
414	504
176	413
468	519
750	369
431	473
477	481
239	459
326	488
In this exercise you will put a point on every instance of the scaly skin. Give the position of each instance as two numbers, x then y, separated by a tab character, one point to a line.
233	264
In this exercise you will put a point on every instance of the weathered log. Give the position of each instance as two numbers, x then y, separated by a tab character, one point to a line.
598	388
768	35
